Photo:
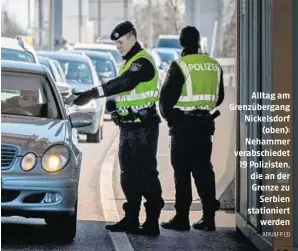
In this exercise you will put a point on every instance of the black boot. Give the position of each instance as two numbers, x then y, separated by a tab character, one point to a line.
178	222
205	224
123	225
149	228
120	226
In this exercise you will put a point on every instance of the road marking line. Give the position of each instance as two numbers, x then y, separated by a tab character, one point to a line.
120	240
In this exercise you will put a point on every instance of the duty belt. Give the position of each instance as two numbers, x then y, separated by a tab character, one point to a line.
199	113
138	117
196	113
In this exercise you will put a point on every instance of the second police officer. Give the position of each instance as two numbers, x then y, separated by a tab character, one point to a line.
135	92
192	89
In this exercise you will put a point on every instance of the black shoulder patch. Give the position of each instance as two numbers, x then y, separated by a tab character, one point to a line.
135	67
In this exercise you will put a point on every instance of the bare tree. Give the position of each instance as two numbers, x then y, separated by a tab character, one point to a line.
167	18
173	15
9	27
228	31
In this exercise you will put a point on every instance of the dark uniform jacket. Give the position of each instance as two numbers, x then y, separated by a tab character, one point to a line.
141	70
171	89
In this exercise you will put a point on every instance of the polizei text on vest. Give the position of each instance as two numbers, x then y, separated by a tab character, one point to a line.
202	67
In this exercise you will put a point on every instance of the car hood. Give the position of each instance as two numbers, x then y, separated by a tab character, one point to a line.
32	134
79	87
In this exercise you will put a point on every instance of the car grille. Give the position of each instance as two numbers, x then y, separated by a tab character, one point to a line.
8	155
9	195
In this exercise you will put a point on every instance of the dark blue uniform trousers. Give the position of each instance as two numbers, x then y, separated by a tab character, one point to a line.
139	175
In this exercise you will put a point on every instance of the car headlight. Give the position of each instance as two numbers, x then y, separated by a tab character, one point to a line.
28	161
90	105
55	158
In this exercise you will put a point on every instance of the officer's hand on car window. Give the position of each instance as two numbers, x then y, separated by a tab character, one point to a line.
85	97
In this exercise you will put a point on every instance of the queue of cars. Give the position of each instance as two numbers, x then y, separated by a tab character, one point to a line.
40	159
81	76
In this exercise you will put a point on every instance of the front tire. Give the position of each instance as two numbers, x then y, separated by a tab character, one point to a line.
63	227
96	137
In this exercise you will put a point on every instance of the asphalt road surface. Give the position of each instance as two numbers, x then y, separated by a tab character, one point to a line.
100	201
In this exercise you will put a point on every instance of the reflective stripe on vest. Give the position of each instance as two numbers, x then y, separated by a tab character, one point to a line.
144	95
201	86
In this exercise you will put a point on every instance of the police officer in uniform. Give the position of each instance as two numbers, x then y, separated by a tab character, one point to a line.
193	87
135	93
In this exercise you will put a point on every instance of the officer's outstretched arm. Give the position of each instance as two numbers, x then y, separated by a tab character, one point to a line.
85	97
141	70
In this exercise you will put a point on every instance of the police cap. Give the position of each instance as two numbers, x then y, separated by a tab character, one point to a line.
189	37
121	30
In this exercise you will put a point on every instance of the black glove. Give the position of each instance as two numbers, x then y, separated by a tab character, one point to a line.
111	106
85	97
116	118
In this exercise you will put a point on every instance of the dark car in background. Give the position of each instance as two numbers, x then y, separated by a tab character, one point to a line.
167	55
169	41
40	159
81	76
105	66
103	62
16	49
60	80
102	48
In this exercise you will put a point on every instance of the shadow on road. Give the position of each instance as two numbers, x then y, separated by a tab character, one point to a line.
91	235
223	239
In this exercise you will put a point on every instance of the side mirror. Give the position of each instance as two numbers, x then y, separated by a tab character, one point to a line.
80	119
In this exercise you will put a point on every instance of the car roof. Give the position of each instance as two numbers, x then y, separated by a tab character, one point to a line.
13	43
166	49
100	54
63	55
168	36
10	43
43	59
8	65
95	46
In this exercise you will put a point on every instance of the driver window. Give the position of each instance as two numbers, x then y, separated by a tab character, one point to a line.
23	94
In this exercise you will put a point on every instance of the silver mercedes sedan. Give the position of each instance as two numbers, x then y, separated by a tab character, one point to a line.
40	159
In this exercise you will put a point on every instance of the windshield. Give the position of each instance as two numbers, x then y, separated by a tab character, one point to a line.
46	63
116	54
60	71
15	55
57	75
31	98
169	42
76	71
104	67
167	57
